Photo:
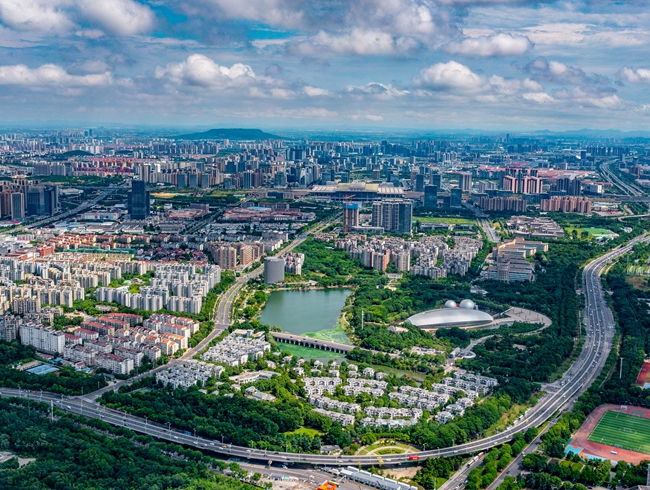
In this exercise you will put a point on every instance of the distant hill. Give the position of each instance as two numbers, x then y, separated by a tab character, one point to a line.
229	133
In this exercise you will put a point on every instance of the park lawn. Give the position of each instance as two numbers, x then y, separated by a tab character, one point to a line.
623	431
304	431
449	221
591	231
308	352
577	466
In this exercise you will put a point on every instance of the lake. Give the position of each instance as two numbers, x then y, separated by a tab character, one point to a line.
314	313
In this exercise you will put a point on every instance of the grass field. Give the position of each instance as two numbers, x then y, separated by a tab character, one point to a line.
449	221
623	431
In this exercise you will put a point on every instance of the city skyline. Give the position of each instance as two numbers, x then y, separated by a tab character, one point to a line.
449	64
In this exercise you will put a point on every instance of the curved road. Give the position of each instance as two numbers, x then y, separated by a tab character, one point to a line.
585	369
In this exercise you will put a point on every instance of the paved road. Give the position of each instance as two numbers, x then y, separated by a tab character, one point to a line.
489	230
585	369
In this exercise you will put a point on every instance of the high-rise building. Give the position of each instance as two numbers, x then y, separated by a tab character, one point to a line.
570	186
51	195
36	200
465	181
430	196
532	185
17	206
394	215
456	198
350	215
45	339
510	183
138	200
436	179
419	183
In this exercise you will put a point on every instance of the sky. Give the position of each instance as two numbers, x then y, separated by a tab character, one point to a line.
427	64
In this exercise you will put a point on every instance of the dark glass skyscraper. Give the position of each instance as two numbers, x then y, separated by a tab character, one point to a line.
138	200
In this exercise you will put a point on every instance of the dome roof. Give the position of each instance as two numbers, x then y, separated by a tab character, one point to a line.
450	304
450	317
468	303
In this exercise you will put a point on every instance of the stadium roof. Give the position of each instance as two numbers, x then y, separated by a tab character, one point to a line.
450	317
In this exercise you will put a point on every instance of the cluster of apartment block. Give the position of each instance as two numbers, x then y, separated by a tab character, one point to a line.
502	204
192	373
57	280
453	260
117	334
453	410
293	262
28	297
177	287
10	324
238	255
419	398
567	204
373	387
238	348
391	417
318	385
329	404
51	341
378	251
509	260
342	418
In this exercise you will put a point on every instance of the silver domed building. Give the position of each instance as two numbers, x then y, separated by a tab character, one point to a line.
467	315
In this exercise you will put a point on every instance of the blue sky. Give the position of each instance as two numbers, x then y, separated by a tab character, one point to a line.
430	64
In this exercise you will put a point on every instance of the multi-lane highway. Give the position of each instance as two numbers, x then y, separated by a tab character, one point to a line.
615	180
598	342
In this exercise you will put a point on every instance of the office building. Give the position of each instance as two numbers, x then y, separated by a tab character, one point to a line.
436	179
566	185
17	206
465	181
273	270
350	216
394	215
36	201
456	198
419	183
138	200
430	196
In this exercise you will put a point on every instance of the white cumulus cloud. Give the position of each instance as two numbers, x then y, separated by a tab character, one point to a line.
452	77
34	15
199	70
120	17
638	75
50	76
316	92
491	46
123	17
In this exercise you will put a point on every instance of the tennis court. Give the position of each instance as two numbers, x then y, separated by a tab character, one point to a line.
623	431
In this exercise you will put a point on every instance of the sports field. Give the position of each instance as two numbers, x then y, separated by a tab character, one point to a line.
623	431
